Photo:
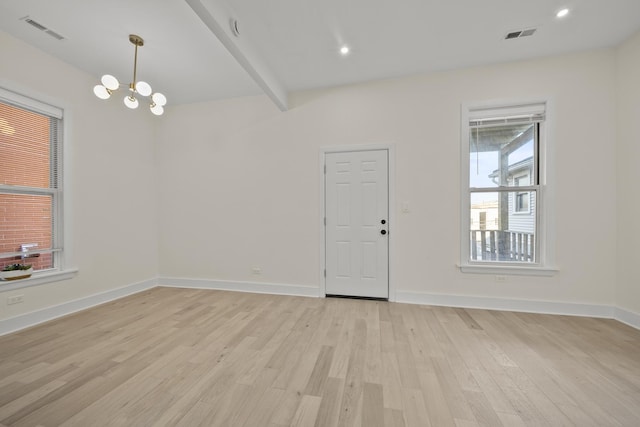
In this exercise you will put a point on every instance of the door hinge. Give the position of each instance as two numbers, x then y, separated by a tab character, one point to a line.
325	220
325	169
325	272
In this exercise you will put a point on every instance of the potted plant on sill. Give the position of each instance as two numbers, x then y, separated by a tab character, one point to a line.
16	271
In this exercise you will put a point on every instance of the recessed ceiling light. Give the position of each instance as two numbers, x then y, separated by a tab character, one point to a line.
562	13
344	50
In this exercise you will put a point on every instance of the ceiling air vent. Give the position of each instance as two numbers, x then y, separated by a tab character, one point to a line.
41	27
54	34
35	24
520	33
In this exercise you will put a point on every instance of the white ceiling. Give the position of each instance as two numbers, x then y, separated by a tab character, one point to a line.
293	44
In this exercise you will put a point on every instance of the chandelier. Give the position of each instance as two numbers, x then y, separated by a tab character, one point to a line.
110	84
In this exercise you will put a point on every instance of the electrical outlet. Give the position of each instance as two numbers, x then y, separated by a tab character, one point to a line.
256	271
16	299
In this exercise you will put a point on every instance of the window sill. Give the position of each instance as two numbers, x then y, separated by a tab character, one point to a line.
507	270
38	279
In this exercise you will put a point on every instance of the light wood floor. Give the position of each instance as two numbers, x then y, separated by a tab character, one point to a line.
195	357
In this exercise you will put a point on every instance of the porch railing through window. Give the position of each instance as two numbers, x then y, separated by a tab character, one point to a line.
499	245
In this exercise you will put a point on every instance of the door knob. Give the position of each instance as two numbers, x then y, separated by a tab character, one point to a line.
383	222
383	232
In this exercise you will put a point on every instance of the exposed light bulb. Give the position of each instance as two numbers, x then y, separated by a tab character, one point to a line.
130	102
101	92
110	82
344	50
562	13
159	99
143	88
157	109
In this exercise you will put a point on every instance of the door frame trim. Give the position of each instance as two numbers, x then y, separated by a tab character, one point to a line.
390	148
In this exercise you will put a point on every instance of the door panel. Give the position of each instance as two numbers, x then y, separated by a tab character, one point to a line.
356	203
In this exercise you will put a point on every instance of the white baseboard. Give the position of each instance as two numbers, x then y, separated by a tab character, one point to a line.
505	304
487	303
26	320
254	287
627	317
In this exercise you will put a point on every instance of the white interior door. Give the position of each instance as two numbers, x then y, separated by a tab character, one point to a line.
357	223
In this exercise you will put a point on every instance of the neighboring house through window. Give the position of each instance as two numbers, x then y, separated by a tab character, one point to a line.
30	183
502	187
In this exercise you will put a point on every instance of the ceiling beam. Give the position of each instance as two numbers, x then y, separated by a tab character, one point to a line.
218	21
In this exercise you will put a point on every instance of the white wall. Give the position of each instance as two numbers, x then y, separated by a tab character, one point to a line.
628	79
240	181
110	175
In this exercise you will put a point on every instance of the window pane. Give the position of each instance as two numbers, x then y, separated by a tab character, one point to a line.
501	232
24	147
24	220
499	154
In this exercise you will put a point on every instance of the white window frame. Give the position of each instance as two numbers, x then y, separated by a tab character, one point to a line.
59	271
545	224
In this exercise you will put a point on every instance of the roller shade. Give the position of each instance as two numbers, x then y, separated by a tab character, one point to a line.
507	115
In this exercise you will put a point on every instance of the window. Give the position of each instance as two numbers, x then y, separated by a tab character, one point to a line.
502	191
521	204
30	183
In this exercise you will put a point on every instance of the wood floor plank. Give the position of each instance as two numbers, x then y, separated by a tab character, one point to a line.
286	408
307	412
392	383
414	411
452	392
265	407
320	374
353	385
329	410
372	405
393	418
373	349
24	401
482	409
177	357
435	400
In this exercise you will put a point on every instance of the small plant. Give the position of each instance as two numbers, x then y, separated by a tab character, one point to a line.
16	272
14	267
